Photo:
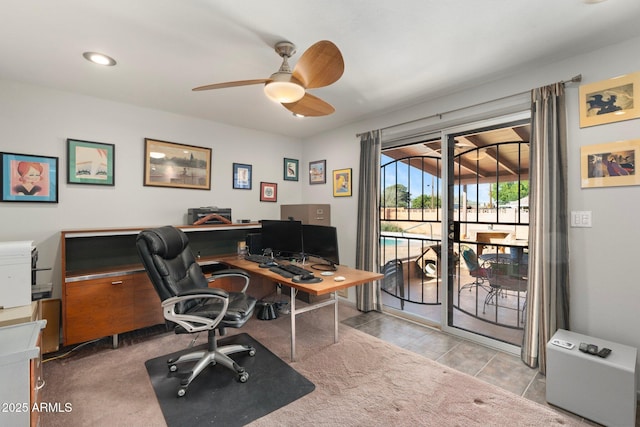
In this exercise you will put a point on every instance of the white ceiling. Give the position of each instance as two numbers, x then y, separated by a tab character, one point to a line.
396	53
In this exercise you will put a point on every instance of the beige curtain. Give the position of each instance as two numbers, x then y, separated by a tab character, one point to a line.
548	296
369	296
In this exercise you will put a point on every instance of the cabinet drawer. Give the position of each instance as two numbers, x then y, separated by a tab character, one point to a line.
146	302
97	308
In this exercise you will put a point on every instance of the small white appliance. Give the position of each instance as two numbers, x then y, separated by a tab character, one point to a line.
15	273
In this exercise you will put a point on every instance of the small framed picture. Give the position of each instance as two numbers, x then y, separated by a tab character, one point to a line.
242	176
318	172
27	178
90	162
609	165
290	169
167	164
342	183
268	192
610	101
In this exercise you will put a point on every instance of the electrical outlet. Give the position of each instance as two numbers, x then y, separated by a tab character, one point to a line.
581	219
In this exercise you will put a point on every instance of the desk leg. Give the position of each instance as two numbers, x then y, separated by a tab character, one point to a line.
293	324
334	295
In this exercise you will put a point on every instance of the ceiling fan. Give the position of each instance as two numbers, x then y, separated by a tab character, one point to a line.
319	66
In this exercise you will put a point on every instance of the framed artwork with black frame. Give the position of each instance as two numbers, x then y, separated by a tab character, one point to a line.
29	178
268	192
167	164
242	176
90	162
290	169
318	172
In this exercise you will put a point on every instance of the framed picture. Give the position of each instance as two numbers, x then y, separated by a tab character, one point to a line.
268	192
318	172
167	164
610	100
290	170
27	178
342	183
609	165
242	176
90	162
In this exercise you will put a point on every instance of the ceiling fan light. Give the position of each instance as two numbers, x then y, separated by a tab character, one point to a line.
283	92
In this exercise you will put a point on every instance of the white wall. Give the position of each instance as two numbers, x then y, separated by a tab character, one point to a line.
605	290
38	121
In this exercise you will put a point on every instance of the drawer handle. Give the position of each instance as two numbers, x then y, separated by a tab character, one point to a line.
40	385
117	282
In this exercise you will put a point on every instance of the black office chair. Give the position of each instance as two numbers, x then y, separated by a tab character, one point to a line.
189	305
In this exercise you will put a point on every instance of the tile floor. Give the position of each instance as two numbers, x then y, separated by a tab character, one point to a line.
493	366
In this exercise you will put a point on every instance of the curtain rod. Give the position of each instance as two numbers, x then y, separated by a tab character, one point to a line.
574	79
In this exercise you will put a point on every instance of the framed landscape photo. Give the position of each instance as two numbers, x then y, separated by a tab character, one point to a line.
28	178
167	164
242	176
342	183
268	192
90	162
290	170
318	172
610	101
609	165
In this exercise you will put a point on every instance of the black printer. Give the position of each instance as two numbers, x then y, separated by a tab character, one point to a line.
196	214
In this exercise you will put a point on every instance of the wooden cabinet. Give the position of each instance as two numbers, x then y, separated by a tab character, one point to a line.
105	290
309	214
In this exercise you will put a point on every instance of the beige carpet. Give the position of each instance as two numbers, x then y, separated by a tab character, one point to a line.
360	381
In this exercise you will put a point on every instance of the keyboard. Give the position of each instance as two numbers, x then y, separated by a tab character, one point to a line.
282	272
258	259
289	271
297	271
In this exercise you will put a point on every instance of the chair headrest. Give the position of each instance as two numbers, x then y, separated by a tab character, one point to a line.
167	242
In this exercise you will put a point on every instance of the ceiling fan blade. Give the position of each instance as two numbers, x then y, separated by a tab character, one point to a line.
232	84
320	65
310	106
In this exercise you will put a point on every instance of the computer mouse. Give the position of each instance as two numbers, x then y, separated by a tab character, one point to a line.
339	278
268	264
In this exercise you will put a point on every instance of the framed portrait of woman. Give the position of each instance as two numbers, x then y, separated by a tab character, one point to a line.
29	178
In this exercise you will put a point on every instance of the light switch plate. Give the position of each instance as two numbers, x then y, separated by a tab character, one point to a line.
581	219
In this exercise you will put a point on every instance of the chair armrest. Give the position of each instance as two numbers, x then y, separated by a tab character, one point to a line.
231	272
190	322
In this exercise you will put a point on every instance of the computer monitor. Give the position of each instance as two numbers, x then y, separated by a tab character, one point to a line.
282	237
321	241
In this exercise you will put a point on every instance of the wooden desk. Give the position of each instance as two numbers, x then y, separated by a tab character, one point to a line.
328	285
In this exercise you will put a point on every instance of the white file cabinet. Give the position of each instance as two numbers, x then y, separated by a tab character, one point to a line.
600	389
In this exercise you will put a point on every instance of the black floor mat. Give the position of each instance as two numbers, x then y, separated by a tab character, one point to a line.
215	397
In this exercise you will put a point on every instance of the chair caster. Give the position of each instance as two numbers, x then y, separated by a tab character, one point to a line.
243	377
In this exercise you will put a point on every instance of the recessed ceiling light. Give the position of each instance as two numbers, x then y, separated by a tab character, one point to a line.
593	1
99	58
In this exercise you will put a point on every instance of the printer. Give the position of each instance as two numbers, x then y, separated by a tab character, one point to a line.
196	214
16	277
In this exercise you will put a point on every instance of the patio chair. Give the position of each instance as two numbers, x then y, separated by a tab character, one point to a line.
478	272
393	281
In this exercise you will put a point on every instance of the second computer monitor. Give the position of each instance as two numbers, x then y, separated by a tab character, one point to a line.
321	241
282	237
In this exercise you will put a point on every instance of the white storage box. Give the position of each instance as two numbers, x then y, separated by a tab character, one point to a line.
15	273
18	348
600	389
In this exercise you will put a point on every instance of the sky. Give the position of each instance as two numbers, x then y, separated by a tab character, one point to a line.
413	179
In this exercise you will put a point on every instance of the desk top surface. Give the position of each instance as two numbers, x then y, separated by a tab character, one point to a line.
352	276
